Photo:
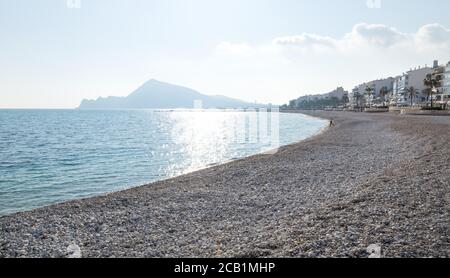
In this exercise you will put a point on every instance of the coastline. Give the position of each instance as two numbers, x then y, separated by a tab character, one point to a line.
311	199
149	183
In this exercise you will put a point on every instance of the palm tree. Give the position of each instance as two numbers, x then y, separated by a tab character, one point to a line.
431	83
292	104
357	98
369	92
412	92
345	100
383	93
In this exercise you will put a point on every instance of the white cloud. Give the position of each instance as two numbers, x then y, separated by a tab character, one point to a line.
376	35
306	41
434	35
290	66
372	35
369	34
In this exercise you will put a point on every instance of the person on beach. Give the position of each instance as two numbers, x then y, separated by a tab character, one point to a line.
331	123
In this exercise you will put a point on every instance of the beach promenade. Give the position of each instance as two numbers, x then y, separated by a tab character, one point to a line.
378	179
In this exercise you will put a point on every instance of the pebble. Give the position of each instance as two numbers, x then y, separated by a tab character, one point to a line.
331	196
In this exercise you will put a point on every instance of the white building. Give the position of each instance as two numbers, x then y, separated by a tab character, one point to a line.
360	97
447	79
398	90
382	84
337	93
354	98
442	73
413	78
439	75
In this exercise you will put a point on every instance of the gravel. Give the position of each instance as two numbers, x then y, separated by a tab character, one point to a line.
373	182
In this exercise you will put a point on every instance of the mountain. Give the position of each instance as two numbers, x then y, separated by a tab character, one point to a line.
155	94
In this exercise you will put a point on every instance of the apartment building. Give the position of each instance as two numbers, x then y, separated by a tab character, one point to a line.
360	96
338	93
447	78
413	78
442	75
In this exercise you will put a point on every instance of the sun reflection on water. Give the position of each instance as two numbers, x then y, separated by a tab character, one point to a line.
53	156
204	138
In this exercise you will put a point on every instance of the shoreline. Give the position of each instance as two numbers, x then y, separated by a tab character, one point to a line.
308	200
125	188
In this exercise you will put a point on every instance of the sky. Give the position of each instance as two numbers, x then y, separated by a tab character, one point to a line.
54	53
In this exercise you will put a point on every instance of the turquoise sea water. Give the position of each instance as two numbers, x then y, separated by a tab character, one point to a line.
50	156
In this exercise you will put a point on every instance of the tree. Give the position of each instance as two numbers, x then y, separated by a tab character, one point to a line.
357	98
369	93
430	83
412	93
383	93
345	99
293	104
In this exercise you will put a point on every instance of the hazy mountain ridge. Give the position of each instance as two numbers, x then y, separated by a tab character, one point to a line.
155	94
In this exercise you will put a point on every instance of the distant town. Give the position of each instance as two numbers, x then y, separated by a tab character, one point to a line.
420	88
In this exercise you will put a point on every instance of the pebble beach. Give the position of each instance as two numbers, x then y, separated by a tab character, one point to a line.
371	180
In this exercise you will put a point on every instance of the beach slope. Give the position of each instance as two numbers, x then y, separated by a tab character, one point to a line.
372	179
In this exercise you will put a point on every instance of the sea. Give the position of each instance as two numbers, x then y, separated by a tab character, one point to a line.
52	156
